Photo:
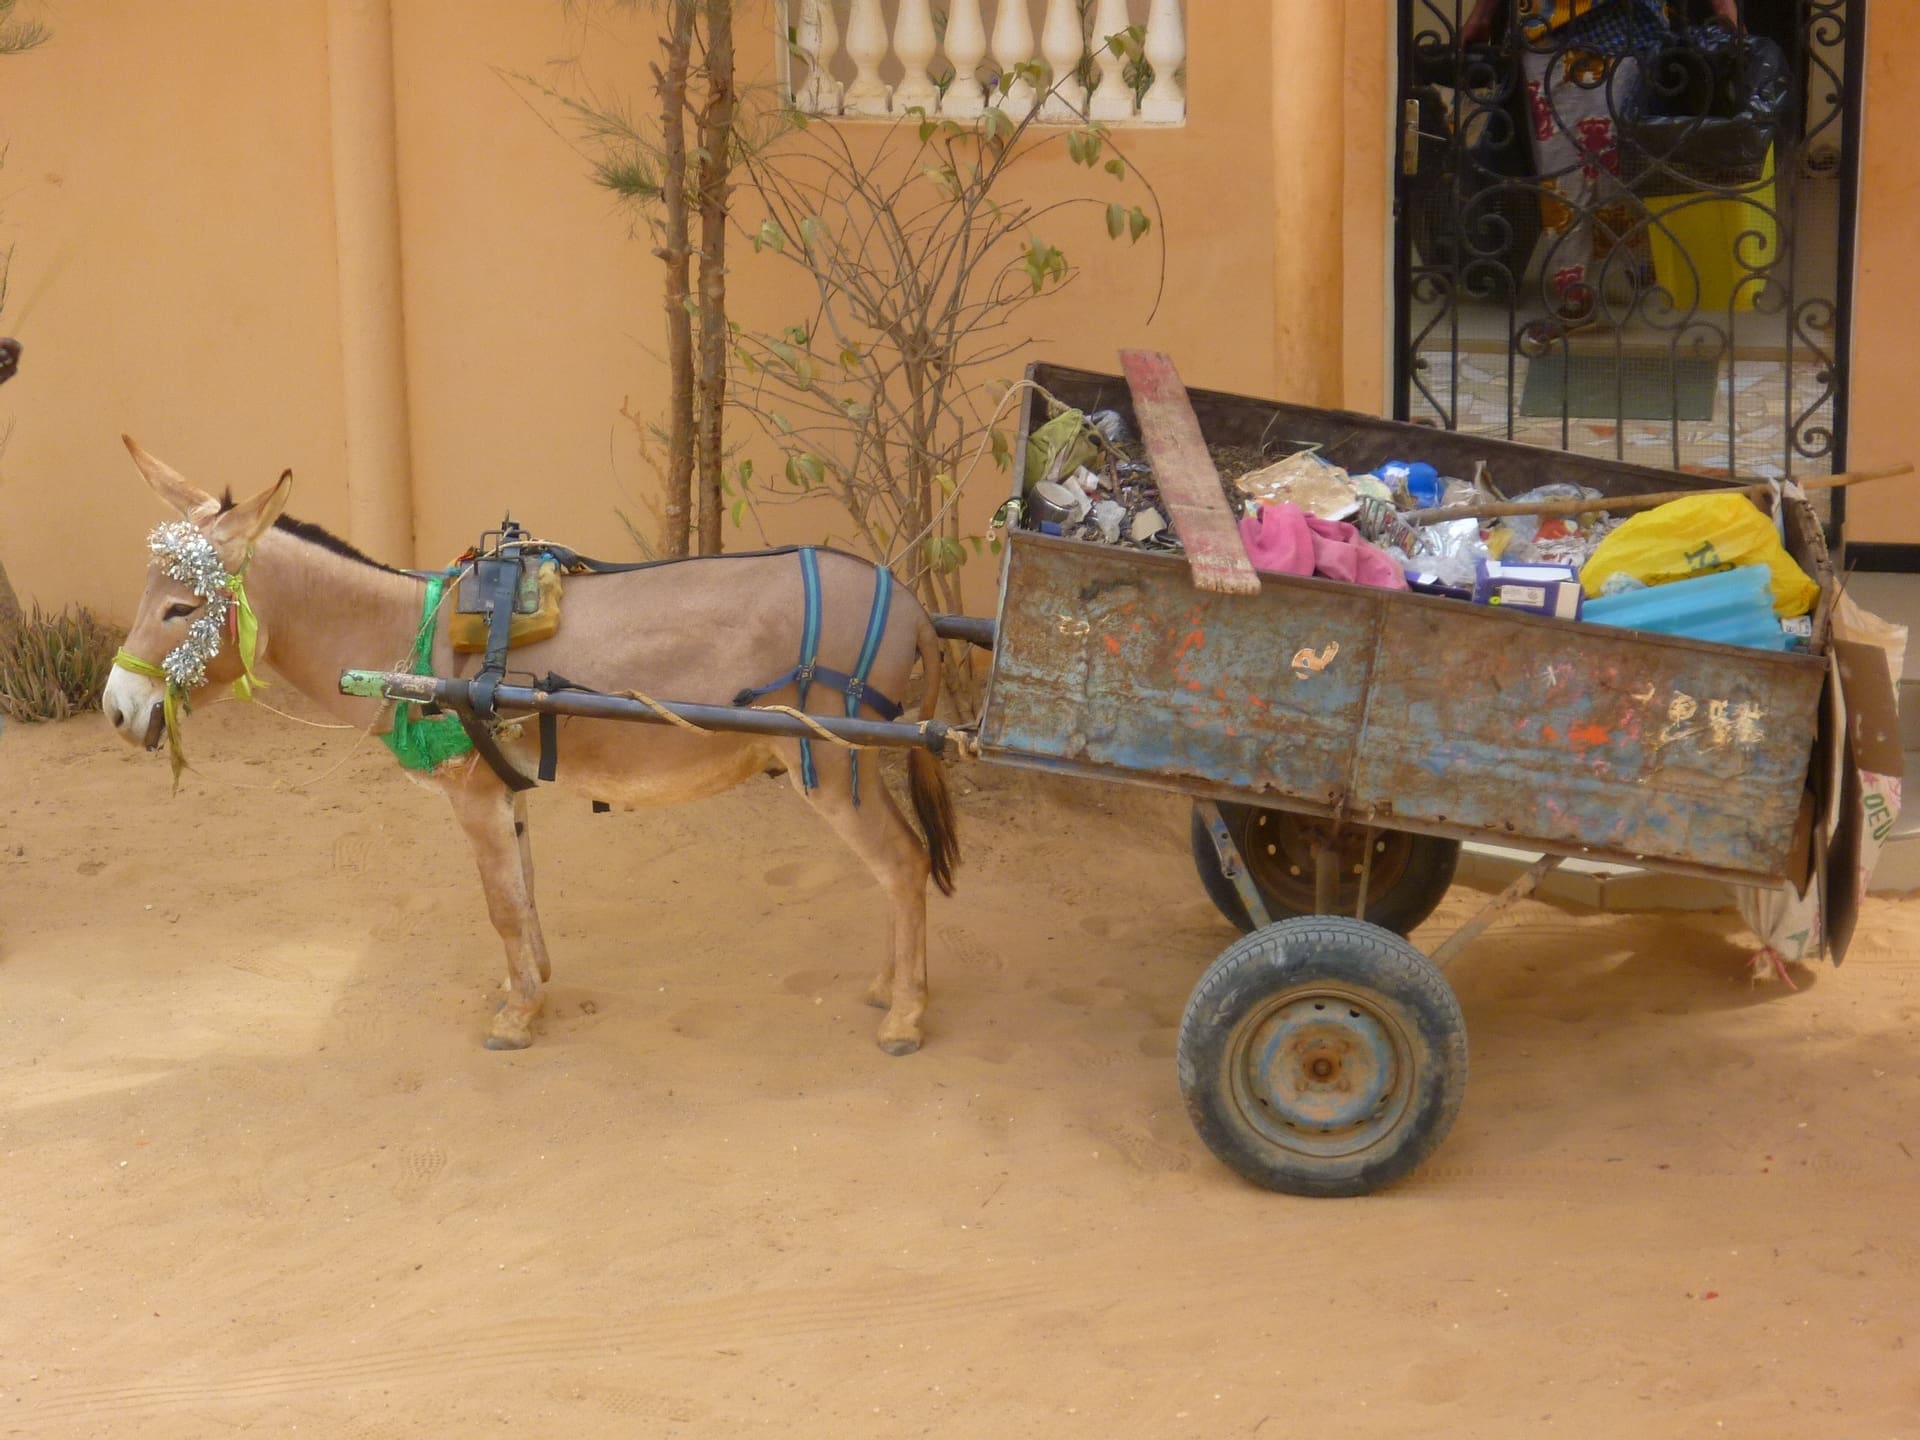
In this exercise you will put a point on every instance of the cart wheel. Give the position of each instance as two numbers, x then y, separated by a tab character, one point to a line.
1323	1057
1410	873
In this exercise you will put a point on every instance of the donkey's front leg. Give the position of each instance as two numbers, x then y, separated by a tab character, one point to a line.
526	877
495	827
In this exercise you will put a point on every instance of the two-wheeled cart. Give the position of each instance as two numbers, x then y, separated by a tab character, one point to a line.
1339	743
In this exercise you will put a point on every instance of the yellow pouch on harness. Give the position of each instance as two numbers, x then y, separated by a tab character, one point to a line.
536	614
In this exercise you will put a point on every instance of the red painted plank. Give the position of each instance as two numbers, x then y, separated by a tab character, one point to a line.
1189	484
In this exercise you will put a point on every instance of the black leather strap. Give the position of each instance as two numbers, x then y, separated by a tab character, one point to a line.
485	747
500	579
549	745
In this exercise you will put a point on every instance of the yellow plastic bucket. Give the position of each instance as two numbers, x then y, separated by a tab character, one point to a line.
1713	251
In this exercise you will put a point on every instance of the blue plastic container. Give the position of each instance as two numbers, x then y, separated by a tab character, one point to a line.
1419	479
1734	607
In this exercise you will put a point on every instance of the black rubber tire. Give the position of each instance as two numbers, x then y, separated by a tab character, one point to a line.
1410	877
1257	1058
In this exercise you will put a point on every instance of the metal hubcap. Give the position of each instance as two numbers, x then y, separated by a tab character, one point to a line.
1323	1070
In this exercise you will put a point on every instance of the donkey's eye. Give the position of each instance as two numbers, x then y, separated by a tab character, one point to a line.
179	611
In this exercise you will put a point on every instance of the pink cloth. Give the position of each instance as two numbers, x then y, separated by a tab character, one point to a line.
1285	540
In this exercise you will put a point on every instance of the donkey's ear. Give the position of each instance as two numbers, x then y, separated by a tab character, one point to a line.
171	486
240	525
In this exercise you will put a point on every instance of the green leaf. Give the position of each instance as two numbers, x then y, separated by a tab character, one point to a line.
1116	219
739	513
1138	223
772	236
1002	450
782	424
849	358
806	470
1116	167
944	555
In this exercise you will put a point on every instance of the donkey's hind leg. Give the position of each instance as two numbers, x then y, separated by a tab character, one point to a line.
879	834
488	815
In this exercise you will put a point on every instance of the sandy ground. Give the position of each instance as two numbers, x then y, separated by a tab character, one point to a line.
261	1178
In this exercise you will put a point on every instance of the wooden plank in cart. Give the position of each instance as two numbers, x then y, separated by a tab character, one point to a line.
1184	471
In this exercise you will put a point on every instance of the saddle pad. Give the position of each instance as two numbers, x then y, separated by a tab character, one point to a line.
467	630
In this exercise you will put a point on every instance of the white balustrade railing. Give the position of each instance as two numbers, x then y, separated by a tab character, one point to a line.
879	58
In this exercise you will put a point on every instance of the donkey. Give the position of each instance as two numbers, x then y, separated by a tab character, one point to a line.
699	631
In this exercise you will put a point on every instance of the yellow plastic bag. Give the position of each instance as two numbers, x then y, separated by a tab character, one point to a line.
1698	536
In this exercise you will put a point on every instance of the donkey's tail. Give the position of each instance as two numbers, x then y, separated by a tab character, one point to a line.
926	781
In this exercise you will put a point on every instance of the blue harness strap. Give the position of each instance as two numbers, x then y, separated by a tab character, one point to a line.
853	686
809	648
876	627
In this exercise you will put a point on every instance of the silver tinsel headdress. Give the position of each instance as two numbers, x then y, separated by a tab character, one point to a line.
186	555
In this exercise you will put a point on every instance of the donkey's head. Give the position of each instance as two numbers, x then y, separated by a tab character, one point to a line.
193	626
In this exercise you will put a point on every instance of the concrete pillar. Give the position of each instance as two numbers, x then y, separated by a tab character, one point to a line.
366	207
1309	64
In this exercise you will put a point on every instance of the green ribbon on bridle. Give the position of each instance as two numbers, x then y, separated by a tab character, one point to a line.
230	591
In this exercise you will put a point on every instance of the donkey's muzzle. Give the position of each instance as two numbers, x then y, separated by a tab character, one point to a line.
127	723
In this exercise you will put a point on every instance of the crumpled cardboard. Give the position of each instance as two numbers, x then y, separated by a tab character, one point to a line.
1855	783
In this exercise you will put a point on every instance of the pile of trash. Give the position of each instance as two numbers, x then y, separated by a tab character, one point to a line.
1087	480
1711	566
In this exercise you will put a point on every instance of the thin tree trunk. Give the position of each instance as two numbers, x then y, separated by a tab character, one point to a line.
9	603
674	250
716	172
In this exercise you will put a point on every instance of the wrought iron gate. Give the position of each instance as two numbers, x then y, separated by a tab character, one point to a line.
1625	229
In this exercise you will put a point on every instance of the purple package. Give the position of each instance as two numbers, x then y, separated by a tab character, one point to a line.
1425	582
1550	590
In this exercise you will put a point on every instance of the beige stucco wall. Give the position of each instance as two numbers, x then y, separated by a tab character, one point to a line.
167	192
532	317
1885	425
170	187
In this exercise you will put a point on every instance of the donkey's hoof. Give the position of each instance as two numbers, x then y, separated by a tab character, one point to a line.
900	1045
510	1032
